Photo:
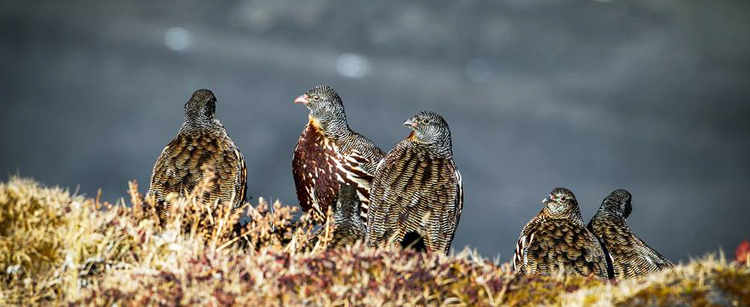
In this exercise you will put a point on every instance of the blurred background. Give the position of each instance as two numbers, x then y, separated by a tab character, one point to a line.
651	96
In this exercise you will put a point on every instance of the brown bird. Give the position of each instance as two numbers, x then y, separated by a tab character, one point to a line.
557	239
417	190
328	153
627	254
201	144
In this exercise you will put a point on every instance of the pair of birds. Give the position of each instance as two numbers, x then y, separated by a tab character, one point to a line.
381	198
414	192
557	239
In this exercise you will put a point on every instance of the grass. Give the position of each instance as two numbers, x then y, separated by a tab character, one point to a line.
60	249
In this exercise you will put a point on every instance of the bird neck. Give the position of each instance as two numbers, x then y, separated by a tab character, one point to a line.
197	124
440	148
571	214
444	148
334	127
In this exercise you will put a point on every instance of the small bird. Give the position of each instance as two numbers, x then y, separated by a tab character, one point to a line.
348	225
417	188
329	153
201	144
557	239
628	255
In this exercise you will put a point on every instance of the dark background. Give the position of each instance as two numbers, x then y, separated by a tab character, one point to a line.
651	96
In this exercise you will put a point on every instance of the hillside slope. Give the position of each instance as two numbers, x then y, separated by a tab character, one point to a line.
63	249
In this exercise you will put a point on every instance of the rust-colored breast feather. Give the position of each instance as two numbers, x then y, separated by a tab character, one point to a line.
414	191
548	245
314	167
321	164
180	168
629	255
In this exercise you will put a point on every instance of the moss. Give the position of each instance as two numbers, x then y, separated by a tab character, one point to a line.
665	295
735	283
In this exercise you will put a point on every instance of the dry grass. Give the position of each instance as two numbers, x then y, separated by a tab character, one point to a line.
61	249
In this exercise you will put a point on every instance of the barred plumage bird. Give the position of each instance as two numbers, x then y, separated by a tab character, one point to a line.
417	189
628	255
201	144
348	225
328	153
557	239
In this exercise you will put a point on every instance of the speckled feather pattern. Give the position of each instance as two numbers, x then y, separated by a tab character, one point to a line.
415	190
630	256
329	153
548	244
321	163
181	166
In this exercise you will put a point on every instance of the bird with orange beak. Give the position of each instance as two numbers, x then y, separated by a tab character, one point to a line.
329	153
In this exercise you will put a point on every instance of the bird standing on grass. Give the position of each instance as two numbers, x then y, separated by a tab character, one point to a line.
629	256
417	189
557	239
201	144
328	153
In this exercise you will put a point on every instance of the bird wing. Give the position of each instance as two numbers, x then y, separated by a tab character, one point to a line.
157	173
547	245
595	259
359	158
651	259
453	211
631	256
160	184
520	259
241	180
352	170
379	209
413	191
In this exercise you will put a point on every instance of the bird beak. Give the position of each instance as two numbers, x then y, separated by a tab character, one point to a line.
302	99
546	199
410	123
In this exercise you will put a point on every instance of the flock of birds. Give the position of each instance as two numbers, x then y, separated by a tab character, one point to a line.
411	196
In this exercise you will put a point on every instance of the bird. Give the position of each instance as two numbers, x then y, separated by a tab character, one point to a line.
417	191
557	240
348	225
329	153
202	144
628	255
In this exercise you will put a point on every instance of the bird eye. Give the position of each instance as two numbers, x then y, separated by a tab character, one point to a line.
316	97
425	121
563	198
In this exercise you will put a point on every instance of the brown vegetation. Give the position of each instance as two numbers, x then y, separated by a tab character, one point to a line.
62	249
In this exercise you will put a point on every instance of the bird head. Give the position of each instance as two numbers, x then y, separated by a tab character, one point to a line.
201	107
431	129
618	202
560	203
324	104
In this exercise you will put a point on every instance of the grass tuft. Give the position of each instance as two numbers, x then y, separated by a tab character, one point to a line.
62	249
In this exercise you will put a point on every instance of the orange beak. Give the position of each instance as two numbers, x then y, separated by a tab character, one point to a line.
303	99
